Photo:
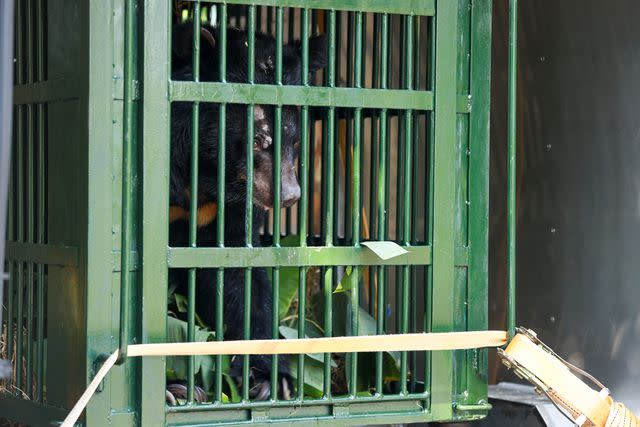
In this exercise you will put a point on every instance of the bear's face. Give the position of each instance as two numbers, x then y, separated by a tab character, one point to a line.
264	115
264	161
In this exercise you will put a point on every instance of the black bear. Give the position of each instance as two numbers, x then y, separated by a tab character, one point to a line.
235	177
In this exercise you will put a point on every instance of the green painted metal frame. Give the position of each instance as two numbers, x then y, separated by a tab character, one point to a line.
442	256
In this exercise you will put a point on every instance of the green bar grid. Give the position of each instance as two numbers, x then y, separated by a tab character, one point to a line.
254	258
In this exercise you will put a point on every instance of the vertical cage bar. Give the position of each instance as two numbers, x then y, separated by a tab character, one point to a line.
302	304
346	141
406	216
387	200
328	182
8	297
443	203
355	206
6	117
193	203
479	142
222	143
415	189
20	55
511	186
429	214
11	231
382	196
127	176
304	135
401	143
302	219
277	179
40	302
30	197
373	172
335	144
156	154
251	42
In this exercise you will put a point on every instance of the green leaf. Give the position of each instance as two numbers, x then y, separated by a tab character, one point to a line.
290	334
288	279
207	369
233	388
288	286
348	280
288	289
290	241
181	303
390	359
390	366
177	366
313	375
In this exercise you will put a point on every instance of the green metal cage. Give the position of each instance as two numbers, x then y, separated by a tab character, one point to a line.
394	147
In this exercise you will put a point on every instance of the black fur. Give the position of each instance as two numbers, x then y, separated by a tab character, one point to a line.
235	173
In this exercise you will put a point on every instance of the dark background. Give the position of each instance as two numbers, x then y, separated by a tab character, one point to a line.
578	184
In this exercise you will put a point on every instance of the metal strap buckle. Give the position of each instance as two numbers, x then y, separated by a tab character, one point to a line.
541	387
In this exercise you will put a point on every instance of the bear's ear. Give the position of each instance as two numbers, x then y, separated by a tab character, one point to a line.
317	52
183	42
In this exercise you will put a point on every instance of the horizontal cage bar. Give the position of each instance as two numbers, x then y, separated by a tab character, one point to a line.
243	93
409	7
46	91
290	257
42	254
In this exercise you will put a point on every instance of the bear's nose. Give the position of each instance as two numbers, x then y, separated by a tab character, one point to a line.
290	195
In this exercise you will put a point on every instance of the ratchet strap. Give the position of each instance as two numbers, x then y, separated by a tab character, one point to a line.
350	344
582	404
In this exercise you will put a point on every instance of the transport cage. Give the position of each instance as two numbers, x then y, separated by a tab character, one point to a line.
394	147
